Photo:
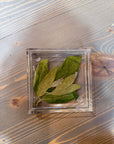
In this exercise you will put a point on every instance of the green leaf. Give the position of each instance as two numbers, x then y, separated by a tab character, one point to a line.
46	83
76	58
69	89
58	99
41	71
75	94
66	83
69	66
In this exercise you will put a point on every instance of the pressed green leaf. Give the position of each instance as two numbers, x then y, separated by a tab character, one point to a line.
46	83
66	83
41	71
71	88
58	99
69	66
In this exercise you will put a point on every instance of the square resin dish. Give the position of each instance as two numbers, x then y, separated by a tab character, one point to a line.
83	106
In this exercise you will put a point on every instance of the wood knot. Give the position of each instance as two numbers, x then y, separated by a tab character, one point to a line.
16	101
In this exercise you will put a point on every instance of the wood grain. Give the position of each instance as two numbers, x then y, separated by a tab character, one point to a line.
55	24
17	15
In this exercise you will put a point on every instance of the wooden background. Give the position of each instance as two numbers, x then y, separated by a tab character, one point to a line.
55	24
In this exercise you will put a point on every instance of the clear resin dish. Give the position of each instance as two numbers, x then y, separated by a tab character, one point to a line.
83	106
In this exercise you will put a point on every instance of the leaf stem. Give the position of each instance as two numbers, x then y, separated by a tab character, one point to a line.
37	100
